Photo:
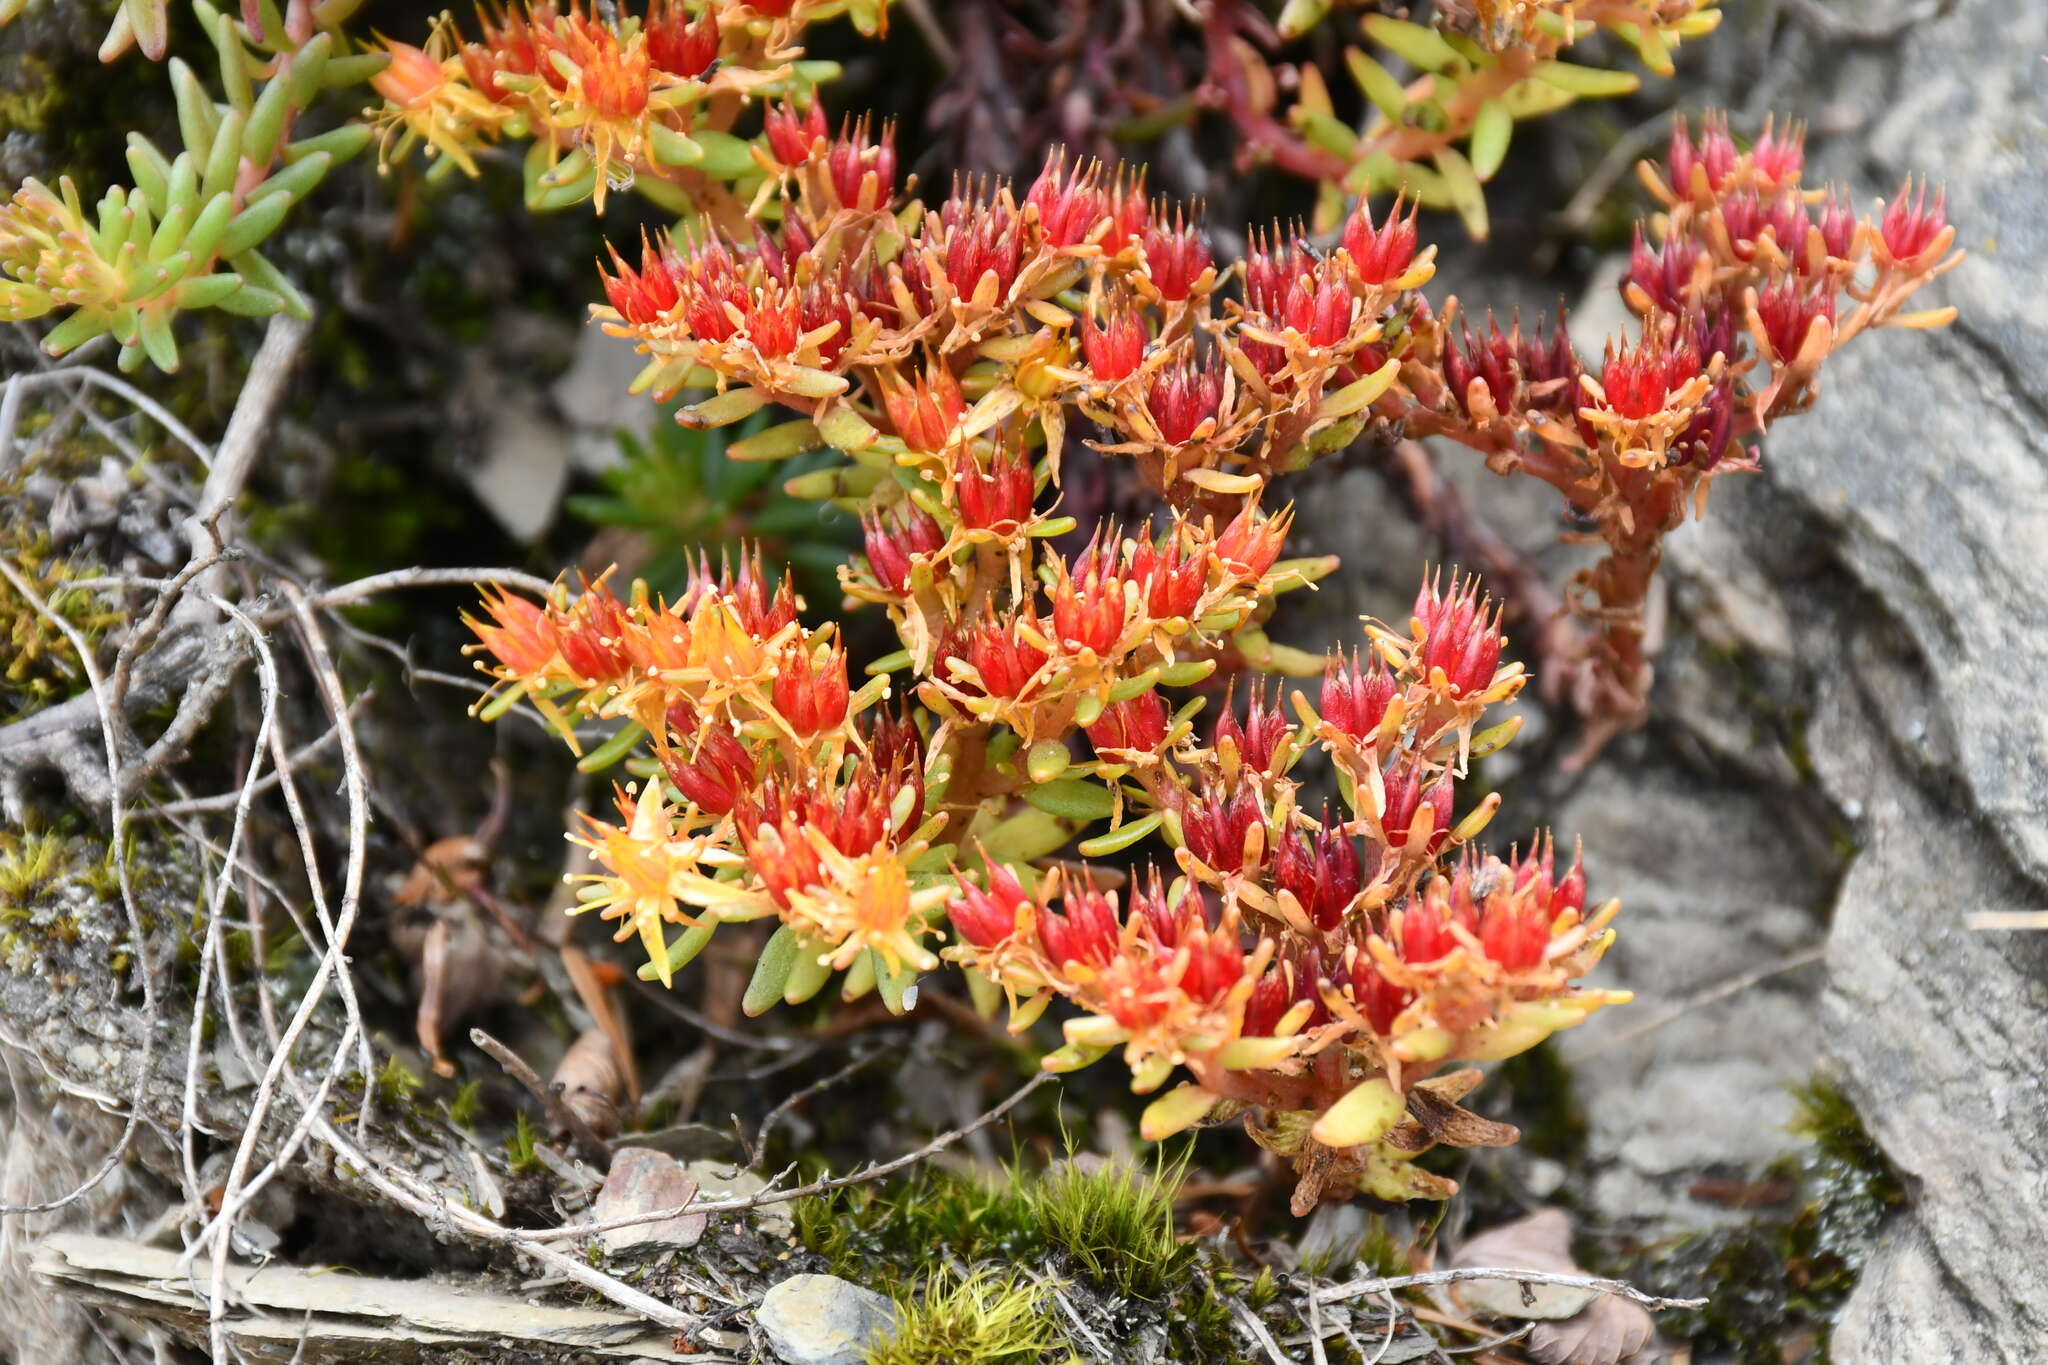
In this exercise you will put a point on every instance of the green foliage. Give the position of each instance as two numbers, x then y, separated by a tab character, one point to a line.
983	1317
1115	1223
684	494
395	1083
185	235
466	1105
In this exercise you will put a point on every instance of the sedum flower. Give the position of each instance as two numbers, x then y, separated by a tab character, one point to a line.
651	865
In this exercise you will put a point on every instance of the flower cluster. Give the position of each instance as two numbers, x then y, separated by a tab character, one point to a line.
1309	971
646	100
774	789
1319	972
915	338
1744	284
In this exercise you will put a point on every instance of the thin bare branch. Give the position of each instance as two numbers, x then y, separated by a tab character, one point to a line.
1352	1289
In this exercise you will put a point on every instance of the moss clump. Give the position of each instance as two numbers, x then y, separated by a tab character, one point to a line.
41	667
1111	1224
1779	1279
1115	1224
982	1316
29	862
870	1232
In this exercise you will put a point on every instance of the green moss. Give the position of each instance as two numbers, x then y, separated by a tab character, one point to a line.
983	1316
519	1144
1111	1225
868	1230
396	1084
466	1105
29	862
1115	1224
41	667
1776	1279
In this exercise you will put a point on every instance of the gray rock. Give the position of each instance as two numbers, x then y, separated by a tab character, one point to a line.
824	1320
1924	469
523	469
642	1181
592	396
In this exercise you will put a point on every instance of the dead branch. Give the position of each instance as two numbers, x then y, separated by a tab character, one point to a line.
560	1114
1352	1289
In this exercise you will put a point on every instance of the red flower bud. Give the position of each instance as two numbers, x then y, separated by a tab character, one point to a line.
1258	737
1171	575
644	297
1070	203
896	539
677	46
1355	697
1458	634
1215	825
1115	349
1250	544
1406	798
1215	964
793	137
811	696
593	638
717	773
1715	153
1779	156
1086	933
1788	313
1175	257
1272	265
998	499
1910	224
985	918
981	239
863	172
1837	225
1323	873
1422	929
1638	382
1287	982
1665	274
1182	397
1088	613
1134	726
1007	664
1380	254
924	409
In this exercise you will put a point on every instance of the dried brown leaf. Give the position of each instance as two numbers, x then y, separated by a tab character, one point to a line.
591	1085
1610	1331
1573	1326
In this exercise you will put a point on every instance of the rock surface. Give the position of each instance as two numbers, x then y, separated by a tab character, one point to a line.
1926	464
643	1181
824	1320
